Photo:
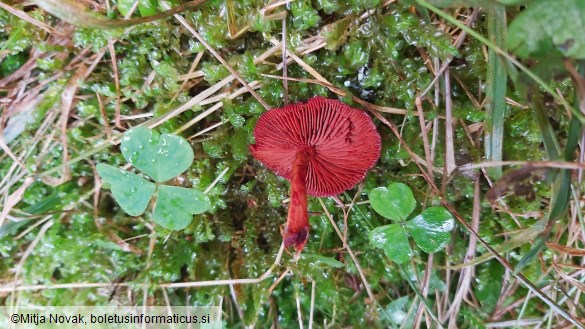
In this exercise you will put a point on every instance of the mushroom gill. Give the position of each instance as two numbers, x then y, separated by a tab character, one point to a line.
323	147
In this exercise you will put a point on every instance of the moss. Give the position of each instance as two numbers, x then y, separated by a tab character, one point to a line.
384	59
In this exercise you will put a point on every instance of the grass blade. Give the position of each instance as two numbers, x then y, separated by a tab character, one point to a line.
496	89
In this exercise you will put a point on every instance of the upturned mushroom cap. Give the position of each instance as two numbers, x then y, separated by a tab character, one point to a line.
343	143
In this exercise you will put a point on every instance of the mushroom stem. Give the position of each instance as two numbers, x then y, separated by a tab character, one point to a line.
297	224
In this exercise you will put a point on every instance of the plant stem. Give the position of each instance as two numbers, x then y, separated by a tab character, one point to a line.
297	224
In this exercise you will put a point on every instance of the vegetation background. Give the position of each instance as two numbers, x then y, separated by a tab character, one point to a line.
480	105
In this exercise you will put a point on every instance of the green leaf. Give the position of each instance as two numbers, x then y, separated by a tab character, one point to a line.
175	206
124	6
546	27
147	7
318	260
395	202
393	240
11	227
131	191
162	157
496	90
396	311
431	229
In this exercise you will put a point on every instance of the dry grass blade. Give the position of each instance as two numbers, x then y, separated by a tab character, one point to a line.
26	17
66	104
566	249
191	70
467	273
14	199
117	82
24	257
6	149
74	12
449	123
425	137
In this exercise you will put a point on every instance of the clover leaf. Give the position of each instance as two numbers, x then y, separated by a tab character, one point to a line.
393	240
161	157
175	206
430	229
130	190
394	202
542	29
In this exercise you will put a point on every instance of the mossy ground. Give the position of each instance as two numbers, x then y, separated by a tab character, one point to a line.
78	89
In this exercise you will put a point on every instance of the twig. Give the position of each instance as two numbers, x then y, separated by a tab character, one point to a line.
284	57
116	81
216	180
313	285
26	17
425	137
449	149
191	70
104	116
299	313
23	259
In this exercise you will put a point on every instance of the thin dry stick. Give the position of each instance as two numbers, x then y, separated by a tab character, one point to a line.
302	63
457	45
7	150
449	149
33	226
284	68
191	70
425	289
116	81
26	17
235	300
216	180
227	282
425	137
535	164
349	251
14	198
313	285
467	273
278	280
299	313
66	104
24	257
201	132
104	116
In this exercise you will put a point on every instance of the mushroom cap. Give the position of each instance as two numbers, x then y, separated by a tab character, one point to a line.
343	141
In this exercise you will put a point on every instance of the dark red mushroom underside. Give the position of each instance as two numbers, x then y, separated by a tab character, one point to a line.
323	147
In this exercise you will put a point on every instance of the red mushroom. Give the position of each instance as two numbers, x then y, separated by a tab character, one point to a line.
323	147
